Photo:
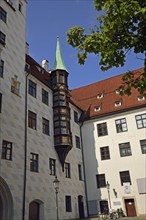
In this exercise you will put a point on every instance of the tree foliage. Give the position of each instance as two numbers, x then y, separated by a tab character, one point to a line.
121	26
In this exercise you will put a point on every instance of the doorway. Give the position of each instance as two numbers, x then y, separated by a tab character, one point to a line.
81	207
34	210
130	207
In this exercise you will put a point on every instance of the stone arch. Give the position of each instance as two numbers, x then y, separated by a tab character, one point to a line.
6	201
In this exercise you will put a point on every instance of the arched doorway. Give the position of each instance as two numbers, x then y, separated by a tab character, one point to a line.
34	210
81	207
6	201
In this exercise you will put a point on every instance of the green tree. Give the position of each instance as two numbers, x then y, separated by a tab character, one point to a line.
121	27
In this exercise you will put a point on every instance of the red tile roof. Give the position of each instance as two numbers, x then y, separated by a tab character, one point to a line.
86	97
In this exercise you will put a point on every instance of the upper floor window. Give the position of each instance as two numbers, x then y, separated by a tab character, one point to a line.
75	117
34	162
45	97
1	68
141	98
20	7
141	121
67	170
45	125
15	85
101	181
102	129
0	102
125	177
3	14
32	88
52	166
68	203
32	120
121	125
143	146
104	152
2	38
80	172
77	142
125	149
7	150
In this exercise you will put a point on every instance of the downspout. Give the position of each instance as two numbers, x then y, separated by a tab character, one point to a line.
25	152
81	124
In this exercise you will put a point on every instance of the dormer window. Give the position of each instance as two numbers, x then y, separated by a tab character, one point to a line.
118	91
141	98
118	103
97	108
100	96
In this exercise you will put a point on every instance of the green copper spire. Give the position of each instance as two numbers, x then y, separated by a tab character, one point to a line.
59	64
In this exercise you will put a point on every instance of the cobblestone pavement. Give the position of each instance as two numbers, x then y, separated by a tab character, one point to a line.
143	217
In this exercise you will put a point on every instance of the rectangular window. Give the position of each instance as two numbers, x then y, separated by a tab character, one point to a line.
32	88
7	150
45	97
1	68
67	170
45	125
77	142
125	177
125	149
75	117
104	152
80	172
101	181
143	146
32	120
3	15
141	121
68	203
0	102
102	129
34	162
121	125
2	38
52	166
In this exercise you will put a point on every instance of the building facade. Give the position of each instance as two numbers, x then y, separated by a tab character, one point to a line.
85	137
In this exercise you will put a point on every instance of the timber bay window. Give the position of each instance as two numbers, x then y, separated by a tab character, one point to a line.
121	125
45	126
102	129
67	170
3	15
1	68
34	162
143	146
141	121
52	166
125	149
125	177
101	181
45	97
32	120
68	203
104	152
32	87
6	150
77	142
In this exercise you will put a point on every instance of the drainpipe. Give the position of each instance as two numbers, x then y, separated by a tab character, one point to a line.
25	152
81	124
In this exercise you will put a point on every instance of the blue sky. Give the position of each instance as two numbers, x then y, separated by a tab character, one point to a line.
47	19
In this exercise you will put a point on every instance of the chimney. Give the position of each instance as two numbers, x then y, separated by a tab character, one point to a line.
45	64
26	48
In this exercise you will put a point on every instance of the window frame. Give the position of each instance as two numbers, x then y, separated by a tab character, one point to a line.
143	146
1	68
141	119
32	88
45	126
1	96
45	97
80	172
34	162
68	203
125	177
76	117
121	125
105	153
78	142
102	129
126	147
67	170
7	147
101	180
2	38
3	15
32	120
52	166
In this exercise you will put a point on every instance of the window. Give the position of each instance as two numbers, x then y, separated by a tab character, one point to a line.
7	150
34	162
100	96
52	166
68	203
20	7
97	109
141	98
80	172
45	97
2	38
118	103
1	68
32	88
125	177
67	170
15	85
101	181
143	146
104	152
141	121
102	129
75	117
0	102
77	142
125	149
32	117
45	125
3	14
121	125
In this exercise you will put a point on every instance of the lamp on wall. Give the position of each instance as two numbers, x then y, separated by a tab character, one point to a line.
56	187
108	190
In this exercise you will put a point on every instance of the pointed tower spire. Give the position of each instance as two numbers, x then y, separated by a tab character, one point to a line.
58	64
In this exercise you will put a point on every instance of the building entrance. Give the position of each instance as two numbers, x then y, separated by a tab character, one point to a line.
130	207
